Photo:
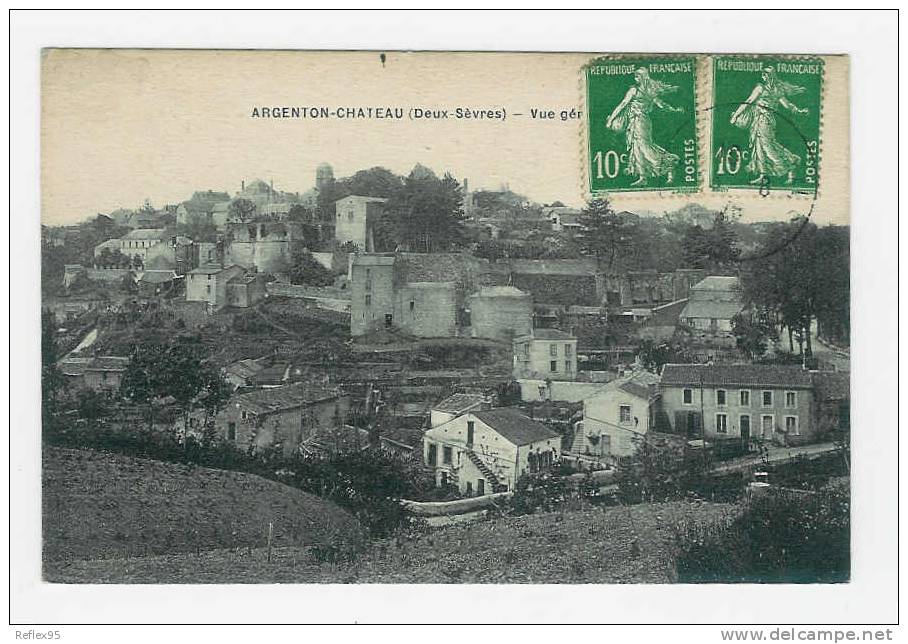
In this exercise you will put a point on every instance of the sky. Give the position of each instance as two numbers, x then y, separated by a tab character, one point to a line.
122	126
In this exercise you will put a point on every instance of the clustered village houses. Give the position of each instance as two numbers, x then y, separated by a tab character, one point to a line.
572	397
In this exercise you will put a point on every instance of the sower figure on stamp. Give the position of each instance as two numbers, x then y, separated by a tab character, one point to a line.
645	158
768	157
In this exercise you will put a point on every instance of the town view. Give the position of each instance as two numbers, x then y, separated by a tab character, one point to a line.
386	378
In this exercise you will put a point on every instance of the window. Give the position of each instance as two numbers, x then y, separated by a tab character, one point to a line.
767	399
446	455
350	216
688	396
432	456
791	399
526	350
720	397
480	487
231	431
469	488
553	365
624	413
368	299
567	349
368	284
243	415
553	349
471	426
766	426
721	423
412	306
744	397
208	289
567	365
444	478
791	425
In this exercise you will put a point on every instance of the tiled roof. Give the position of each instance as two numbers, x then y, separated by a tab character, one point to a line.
514	426
718	283
712	310
582	267
749	375
146	233
108	363
459	403
244	368
157	276
266	401
500	291
374	260
550	334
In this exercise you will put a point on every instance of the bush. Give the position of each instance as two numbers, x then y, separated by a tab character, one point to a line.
781	537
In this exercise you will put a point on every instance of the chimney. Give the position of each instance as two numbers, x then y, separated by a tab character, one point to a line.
243	185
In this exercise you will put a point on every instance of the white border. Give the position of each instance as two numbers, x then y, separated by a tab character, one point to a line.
870	39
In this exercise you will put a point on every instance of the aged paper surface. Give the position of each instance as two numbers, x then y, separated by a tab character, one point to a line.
160	124
437	317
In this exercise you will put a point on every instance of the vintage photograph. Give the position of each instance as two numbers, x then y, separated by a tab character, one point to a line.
444	318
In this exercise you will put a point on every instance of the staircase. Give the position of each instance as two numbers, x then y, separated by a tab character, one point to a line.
487	474
578	446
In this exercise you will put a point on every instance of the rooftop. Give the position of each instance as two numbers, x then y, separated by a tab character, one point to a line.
459	403
549	334
500	291
718	283
108	363
267	401
514	426
374	260
717	310
747	375
362	199
146	233
584	267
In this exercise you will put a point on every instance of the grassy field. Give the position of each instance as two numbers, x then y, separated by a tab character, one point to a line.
105	506
590	545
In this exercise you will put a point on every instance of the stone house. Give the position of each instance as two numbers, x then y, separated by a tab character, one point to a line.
353	220
209	284
712	304
548	354
744	401
286	416
486	451
500	313
382	297
102	373
615	417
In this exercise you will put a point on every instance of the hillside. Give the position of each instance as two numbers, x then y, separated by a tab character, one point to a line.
98	506
593	545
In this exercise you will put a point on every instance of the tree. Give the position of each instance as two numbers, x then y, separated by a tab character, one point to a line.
714	249
796	274
52	380
752	333
425	216
653	356
241	210
608	236
304	269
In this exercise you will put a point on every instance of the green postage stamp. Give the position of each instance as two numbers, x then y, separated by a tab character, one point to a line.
642	124
766	123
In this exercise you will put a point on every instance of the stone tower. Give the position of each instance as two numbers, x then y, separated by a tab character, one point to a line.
324	176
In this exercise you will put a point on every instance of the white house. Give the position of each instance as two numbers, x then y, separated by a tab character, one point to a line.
482	452
624	409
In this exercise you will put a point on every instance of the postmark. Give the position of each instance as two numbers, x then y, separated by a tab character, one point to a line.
642	125
765	123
